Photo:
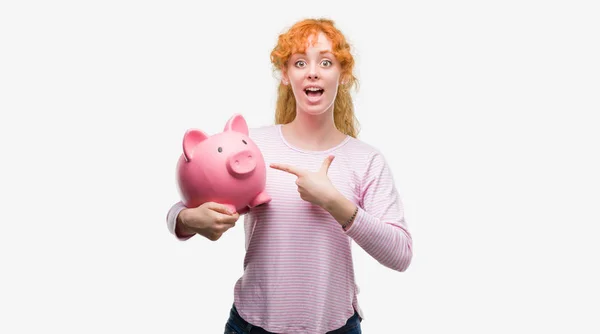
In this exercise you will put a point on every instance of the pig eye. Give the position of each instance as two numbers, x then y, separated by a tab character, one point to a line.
243	141
220	149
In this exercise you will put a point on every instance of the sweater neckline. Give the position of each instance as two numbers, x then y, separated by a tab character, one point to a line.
329	150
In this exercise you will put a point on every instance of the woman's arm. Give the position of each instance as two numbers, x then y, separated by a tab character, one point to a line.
379	226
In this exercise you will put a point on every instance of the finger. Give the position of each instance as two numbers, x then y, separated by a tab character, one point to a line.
327	163
227	219
225	227
221	208
287	168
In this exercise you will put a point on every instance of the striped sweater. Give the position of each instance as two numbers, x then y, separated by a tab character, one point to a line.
298	270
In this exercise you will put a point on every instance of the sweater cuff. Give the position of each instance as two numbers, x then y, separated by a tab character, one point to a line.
361	223
172	221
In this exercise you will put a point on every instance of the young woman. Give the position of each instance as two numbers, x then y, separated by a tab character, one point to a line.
327	188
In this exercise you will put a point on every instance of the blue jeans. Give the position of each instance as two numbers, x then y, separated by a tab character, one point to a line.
237	325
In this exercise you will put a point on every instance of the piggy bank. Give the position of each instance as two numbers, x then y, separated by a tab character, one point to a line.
226	168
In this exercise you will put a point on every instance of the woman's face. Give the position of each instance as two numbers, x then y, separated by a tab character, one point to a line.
314	77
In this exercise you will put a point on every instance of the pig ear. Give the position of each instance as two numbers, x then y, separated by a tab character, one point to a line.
192	138
237	123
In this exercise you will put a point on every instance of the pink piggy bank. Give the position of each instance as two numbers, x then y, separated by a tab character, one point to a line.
226	168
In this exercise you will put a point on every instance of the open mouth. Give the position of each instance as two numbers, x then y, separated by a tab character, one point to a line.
313	92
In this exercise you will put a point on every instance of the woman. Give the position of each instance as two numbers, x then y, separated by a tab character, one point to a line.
327	187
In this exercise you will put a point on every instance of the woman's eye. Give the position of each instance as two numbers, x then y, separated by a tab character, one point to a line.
300	63
326	63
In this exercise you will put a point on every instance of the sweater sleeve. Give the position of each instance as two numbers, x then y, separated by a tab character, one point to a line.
172	220
379	227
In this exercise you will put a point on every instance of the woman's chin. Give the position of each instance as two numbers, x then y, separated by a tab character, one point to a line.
315	110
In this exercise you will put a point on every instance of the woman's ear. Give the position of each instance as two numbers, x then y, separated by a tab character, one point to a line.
285	80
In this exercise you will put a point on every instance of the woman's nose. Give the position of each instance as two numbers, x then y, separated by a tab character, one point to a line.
313	73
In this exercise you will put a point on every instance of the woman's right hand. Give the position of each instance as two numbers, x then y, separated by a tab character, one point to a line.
210	220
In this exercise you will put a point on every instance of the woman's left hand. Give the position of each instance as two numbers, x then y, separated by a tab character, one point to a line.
314	187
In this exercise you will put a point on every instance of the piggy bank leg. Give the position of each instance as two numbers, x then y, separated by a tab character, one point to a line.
244	210
261	198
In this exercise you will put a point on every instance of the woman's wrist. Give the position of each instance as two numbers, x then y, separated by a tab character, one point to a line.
349	222
180	228
342	209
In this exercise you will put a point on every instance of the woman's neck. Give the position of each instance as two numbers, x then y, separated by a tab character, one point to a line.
313	132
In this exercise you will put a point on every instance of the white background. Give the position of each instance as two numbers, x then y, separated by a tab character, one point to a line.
486	112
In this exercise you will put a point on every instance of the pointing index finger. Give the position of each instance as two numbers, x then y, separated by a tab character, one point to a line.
287	168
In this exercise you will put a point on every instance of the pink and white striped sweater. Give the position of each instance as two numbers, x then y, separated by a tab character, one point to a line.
298	270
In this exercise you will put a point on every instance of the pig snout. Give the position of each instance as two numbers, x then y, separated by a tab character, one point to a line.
241	164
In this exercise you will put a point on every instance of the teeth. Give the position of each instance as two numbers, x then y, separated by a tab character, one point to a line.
313	89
